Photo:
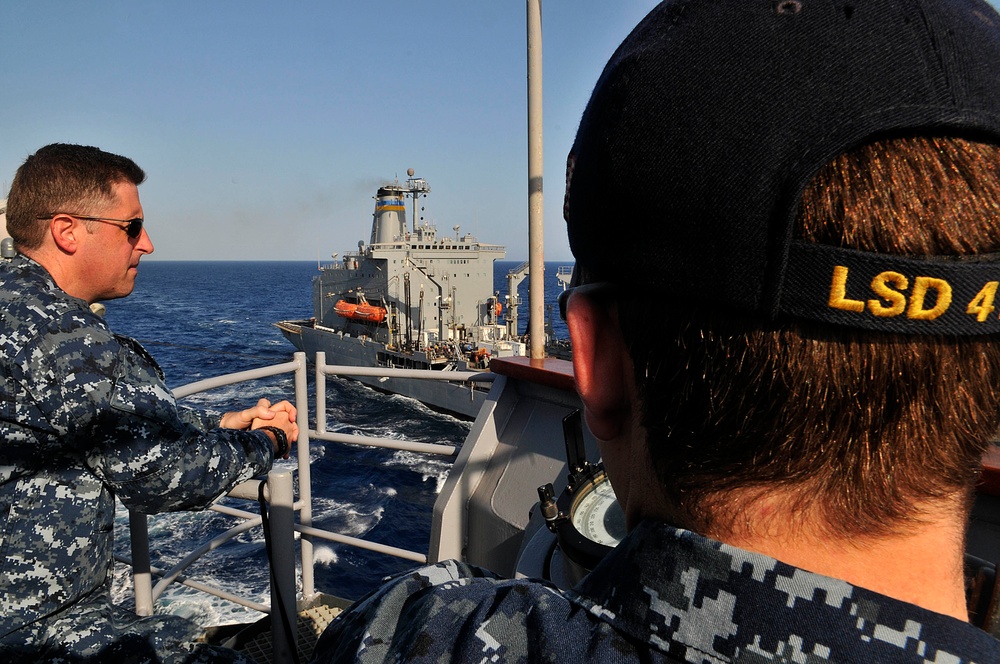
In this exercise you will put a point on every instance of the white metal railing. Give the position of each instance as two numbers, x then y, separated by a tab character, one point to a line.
278	493
564	275
323	370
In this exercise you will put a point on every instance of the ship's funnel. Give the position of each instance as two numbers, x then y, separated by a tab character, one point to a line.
390	215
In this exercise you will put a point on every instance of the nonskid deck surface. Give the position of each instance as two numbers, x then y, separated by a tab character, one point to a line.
255	640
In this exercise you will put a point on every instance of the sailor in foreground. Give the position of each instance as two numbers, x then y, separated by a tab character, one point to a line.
85	417
785	216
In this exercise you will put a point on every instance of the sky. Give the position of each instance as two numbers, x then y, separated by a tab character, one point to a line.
265	128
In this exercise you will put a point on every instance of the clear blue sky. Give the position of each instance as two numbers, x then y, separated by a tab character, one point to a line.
265	127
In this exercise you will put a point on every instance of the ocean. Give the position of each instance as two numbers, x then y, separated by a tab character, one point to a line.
204	319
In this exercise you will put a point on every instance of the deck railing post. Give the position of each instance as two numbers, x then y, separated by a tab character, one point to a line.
321	392
305	472
142	579
282	535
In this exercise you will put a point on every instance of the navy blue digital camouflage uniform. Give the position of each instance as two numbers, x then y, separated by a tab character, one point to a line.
663	595
85	417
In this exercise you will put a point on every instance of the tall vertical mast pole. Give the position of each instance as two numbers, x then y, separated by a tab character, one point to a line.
536	239
415	196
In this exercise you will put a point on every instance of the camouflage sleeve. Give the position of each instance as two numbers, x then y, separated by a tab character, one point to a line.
105	397
199	419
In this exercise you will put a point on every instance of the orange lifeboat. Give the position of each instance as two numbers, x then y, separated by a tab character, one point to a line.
364	312
369	313
344	308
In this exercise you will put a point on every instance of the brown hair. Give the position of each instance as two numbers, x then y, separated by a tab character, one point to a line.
860	426
63	178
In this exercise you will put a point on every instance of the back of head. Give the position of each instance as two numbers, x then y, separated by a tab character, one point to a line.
808	190
60	177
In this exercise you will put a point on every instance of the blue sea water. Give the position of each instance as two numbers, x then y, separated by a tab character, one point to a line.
203	319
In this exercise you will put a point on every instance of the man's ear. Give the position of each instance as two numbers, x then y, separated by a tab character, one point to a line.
65	232
601	365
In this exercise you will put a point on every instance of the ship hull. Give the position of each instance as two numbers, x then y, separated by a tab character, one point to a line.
459	399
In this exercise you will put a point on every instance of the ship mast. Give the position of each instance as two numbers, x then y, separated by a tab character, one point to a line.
417	186
536	250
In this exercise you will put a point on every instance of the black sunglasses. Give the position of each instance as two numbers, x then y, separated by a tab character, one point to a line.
133	227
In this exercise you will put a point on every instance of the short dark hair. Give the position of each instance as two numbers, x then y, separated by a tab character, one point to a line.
859	425
63	178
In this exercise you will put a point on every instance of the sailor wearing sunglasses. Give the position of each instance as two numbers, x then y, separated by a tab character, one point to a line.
85	417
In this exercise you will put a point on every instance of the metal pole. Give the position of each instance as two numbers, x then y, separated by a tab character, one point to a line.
414	195
320	392
304	469
142	579
536	240
282	523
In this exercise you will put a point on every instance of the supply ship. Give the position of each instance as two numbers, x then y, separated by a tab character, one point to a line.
413	299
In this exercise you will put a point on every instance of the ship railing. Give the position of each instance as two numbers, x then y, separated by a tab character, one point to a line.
564	274
466	243
324	370
277	493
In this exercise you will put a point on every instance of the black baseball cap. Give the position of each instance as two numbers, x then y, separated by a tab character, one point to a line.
713	115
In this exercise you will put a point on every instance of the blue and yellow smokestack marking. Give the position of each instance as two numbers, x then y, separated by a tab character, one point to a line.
389	205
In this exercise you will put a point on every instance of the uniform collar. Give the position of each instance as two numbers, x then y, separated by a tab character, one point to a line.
693	597
29	267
